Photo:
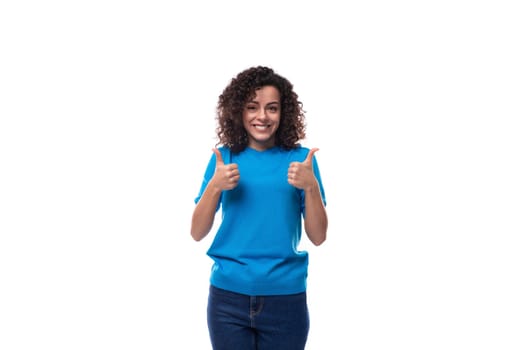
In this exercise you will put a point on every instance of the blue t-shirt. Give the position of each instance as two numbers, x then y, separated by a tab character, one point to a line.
255	248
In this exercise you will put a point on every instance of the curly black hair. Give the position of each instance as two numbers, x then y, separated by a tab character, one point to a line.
242	88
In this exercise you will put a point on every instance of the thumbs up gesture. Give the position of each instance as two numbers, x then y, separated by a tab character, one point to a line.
226	176
300	174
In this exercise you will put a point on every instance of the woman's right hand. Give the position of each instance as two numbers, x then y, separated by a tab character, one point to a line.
226	176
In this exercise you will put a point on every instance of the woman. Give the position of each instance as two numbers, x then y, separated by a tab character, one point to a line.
267	186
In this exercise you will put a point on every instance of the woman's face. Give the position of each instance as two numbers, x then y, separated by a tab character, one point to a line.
261	118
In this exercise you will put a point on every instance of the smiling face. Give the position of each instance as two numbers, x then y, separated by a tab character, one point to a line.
261	118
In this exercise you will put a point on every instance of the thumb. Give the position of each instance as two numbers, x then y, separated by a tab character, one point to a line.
310	155
218	156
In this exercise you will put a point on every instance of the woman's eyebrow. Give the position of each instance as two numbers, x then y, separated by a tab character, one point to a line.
269	103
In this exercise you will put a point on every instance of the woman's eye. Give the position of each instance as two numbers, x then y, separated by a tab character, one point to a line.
273	109
251	108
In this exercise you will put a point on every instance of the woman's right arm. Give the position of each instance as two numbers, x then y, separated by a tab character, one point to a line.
225	177
204	212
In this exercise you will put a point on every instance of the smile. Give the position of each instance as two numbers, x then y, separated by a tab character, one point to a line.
261	127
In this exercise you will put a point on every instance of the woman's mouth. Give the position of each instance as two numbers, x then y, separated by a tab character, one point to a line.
261	127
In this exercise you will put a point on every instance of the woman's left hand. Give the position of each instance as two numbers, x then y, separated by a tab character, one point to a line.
301	174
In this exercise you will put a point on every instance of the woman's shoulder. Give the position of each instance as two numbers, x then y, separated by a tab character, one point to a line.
300	149
298	153
225	152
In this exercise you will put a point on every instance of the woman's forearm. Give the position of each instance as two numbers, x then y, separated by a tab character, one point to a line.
315	218
204	212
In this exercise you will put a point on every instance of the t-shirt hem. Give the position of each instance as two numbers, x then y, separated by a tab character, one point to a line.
285	288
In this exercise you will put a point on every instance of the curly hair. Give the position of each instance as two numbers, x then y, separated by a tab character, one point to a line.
242	88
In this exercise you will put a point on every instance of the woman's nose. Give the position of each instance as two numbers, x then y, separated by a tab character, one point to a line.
262	113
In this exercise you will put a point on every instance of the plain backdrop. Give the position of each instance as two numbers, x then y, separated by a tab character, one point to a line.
107	122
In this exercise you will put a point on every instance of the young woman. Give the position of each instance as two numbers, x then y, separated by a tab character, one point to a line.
267	186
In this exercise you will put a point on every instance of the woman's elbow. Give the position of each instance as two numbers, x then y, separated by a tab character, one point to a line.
317	241
197	235
318	236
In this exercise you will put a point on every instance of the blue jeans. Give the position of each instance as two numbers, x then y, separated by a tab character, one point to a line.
243	322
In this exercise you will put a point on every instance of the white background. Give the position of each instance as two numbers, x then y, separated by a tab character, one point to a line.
107	122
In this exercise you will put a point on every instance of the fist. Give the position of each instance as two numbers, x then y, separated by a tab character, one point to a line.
226	176
301	174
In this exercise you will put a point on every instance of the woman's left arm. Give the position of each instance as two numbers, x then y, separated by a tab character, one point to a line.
301	175
315	217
